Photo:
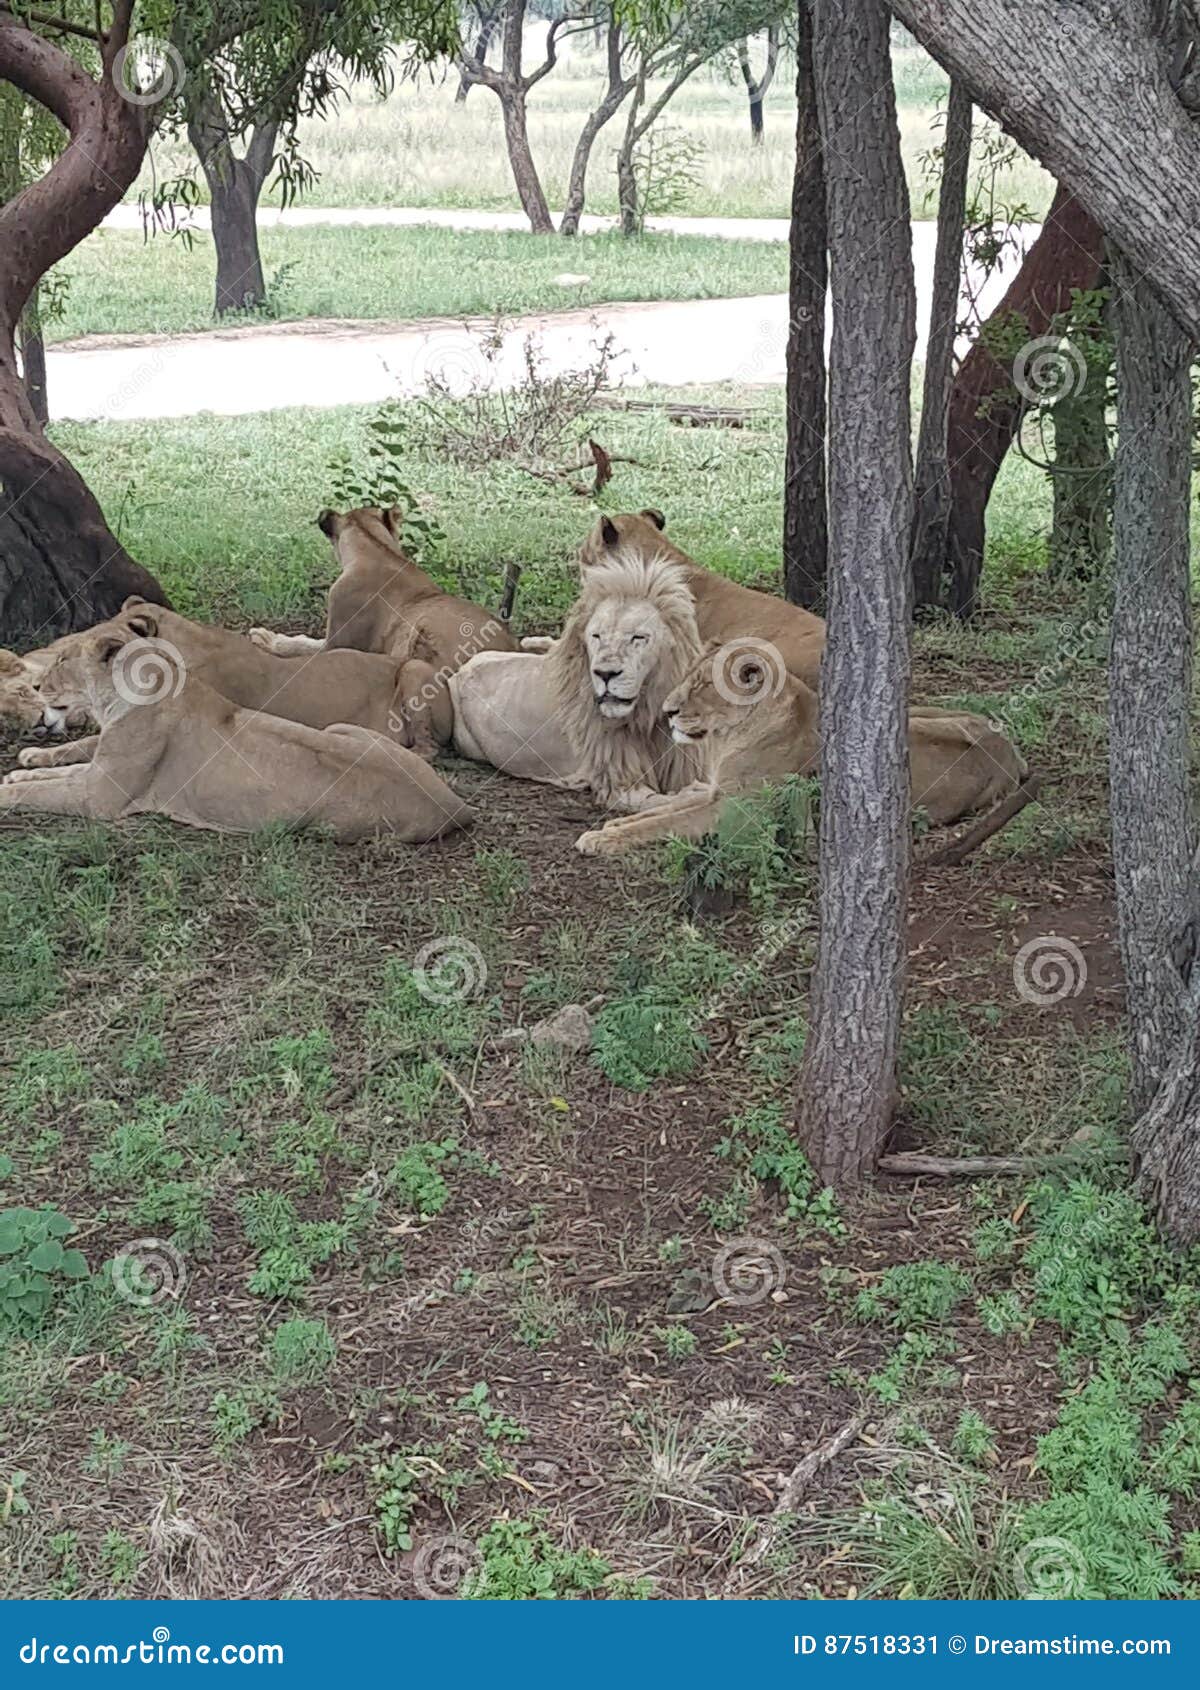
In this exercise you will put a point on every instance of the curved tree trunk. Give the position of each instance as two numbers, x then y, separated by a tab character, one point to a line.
1104	94
60	566
848	1078
932	478
617	89
520	156
985	407
805	518
33	358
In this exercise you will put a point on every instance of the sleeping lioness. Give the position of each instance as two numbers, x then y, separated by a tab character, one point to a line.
335	686
193	756
756	724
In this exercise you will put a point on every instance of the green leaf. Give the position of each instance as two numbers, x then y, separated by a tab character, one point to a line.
47	1257
58	1225
73	1265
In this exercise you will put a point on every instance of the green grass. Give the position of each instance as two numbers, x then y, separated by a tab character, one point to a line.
250	550
419	149
120	284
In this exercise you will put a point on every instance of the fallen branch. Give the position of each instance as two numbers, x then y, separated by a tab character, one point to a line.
985	827
690	416
913	1162
600	463
802	1476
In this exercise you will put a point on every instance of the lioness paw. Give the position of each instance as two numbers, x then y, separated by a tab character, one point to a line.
595	843
35	757
264	637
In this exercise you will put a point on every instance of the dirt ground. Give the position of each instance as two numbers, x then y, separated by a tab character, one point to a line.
583	1227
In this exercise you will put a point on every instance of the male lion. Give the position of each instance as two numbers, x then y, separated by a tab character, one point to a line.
754	723
724	608
193	756
335	686
383	602
630	637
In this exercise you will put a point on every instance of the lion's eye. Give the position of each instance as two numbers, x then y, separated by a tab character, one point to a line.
638	639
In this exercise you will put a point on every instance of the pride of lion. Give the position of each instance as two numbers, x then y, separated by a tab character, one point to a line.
670	690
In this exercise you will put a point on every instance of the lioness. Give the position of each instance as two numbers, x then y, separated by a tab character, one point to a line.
193	756
724	608
335	686
754	723
19	700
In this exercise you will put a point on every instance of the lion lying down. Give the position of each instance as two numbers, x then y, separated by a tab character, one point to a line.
753	723
193	756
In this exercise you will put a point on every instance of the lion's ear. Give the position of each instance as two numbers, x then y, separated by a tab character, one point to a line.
393	520
10	663
325	521
144	623
133	602
609	532
656	517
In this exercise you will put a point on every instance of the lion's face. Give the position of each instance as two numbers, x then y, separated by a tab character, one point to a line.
723	690
19	701
624	641
82	676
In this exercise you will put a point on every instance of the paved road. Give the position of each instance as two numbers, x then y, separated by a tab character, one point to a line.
321	363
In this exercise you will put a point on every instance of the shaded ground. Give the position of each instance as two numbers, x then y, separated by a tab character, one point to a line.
495	1217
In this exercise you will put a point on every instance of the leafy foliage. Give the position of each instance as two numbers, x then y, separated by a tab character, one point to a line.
35	1264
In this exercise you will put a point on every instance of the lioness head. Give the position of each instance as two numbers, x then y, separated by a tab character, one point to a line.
111	669
19	702
637	532
720	695
376	522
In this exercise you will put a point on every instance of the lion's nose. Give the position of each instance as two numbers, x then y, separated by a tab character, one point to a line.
606	675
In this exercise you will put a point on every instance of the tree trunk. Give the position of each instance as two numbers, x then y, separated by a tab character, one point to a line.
985	404
1101	113
932	479
805	520
520	157
848	1079
33	357
1150	694
60	567
756	87
483	42
617	88
627	194
1153	821
234	186
1081	529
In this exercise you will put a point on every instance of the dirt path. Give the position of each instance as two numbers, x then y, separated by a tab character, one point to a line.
324	362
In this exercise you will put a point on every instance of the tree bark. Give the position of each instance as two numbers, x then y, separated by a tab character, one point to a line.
489	18
932	478
1153	820
1151	668
520	156
1101	111
805	518
60	567
235	185
33	358
985	405
848	1078
758	87
511	86
616	90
